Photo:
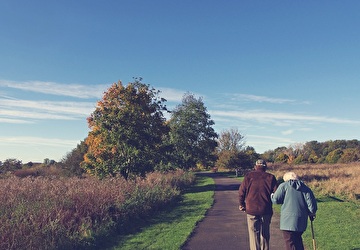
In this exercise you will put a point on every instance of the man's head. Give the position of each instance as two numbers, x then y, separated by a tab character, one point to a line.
260	164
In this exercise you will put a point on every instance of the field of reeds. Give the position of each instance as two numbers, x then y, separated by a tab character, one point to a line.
336	187
72	213
340	180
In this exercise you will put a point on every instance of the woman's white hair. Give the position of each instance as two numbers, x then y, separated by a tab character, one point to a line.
290	176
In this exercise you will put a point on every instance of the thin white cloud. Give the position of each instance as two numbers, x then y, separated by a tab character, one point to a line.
280	117
33	115
26	111
176	95
292	131
7	97
274	139
14	121
73	108
256	98
288	132
53	88
264	143
28	140
172	95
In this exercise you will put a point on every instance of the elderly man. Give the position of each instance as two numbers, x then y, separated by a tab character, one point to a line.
255	200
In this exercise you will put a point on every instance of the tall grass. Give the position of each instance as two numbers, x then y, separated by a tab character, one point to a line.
341	180
71	213
336	187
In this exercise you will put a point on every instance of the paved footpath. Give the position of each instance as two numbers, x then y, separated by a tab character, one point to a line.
224	227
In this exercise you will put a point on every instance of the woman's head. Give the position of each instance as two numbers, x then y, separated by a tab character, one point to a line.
290	176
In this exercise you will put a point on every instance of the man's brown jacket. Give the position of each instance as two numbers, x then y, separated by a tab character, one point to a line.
255	191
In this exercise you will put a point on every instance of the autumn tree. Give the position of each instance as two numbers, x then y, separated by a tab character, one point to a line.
232	153
126	131
231	140
192	134
230	144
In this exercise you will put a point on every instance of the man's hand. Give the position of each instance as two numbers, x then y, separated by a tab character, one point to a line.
241	208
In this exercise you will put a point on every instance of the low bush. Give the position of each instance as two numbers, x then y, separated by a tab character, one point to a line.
71	213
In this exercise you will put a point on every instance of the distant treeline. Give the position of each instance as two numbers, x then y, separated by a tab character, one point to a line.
130	136
338	151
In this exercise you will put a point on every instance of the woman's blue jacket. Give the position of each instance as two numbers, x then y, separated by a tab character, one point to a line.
298	202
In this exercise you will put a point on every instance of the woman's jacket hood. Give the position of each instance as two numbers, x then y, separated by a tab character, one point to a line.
296	184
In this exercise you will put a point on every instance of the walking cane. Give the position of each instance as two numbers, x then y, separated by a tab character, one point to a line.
312	233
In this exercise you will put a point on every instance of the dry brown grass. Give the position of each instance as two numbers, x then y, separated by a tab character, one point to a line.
65	213
340	180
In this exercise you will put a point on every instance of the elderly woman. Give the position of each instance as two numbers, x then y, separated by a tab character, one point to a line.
298	203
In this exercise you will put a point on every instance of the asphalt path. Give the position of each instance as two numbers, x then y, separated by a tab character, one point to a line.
224	226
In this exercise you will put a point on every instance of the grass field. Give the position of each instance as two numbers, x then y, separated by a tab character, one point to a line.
336	226
27	205
170	229
336	187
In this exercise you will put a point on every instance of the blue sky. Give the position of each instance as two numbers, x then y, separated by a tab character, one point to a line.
281	72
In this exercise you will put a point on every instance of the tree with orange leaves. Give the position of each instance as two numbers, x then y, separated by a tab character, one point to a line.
126	131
